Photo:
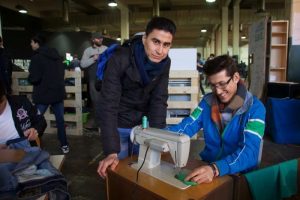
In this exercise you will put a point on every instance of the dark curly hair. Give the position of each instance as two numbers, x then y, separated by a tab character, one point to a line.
220	63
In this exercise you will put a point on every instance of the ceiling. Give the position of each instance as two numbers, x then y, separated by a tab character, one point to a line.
190	16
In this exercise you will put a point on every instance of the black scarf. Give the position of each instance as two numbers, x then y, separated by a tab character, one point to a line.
148	69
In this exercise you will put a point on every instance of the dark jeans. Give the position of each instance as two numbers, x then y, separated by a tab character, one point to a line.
50	179
126	146
201	85
58	109
94	94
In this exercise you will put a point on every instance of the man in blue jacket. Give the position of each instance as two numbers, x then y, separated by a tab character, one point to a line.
233	122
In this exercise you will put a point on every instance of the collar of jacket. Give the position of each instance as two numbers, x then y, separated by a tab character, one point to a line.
245	107
14	105
50	53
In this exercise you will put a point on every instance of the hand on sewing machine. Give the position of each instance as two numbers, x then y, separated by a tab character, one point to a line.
31	134
203	174
110	161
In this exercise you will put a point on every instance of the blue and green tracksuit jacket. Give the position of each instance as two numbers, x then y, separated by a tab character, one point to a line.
237	148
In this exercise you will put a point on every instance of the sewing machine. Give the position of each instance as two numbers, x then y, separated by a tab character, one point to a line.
152	143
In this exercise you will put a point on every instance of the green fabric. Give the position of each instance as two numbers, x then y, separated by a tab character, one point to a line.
288	176
181	176
274	182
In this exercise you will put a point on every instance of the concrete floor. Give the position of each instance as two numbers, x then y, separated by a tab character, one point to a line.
81	163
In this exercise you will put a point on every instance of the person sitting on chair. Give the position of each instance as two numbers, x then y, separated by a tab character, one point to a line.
18	118
233	122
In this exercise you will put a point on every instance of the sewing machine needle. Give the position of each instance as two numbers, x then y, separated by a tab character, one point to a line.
177	170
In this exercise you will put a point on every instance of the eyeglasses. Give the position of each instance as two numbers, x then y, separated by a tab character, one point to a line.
221	85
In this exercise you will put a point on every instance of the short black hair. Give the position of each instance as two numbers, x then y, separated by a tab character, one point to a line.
161	23
2	89
220	63
39	38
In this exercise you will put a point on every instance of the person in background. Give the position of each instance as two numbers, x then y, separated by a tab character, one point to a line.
6	67
211	56
135	84
200	64
89	61
46	73
18	118
75	63
233	122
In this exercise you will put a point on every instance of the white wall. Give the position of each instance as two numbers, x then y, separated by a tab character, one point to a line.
183	58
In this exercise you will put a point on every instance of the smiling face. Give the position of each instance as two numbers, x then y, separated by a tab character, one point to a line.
224	86
157	45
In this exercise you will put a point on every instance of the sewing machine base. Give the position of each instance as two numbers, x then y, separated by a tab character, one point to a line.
164	172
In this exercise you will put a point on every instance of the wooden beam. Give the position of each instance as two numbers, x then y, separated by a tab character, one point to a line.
87	8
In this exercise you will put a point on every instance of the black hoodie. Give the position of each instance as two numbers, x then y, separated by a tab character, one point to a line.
46	73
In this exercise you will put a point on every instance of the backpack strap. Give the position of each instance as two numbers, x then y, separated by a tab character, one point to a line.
103	59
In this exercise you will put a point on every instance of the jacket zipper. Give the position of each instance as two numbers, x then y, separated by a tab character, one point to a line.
221	138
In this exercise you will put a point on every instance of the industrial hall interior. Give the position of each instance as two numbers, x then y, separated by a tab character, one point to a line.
149	99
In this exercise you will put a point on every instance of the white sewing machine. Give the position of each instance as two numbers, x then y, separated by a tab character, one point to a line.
152	142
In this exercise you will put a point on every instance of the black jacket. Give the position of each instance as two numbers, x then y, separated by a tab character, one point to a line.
25	115
5	69
124	100
46	73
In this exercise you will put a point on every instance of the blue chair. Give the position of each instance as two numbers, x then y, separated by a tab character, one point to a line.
282	121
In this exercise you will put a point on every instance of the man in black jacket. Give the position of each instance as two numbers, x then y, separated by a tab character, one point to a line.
135	84
18	118
46	73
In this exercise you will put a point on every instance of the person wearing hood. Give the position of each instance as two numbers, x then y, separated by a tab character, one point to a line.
46	73
135	84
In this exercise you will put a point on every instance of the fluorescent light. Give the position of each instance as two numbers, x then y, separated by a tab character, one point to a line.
112	3
210	1
118	38
243	37
203	30
21	9
77	29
